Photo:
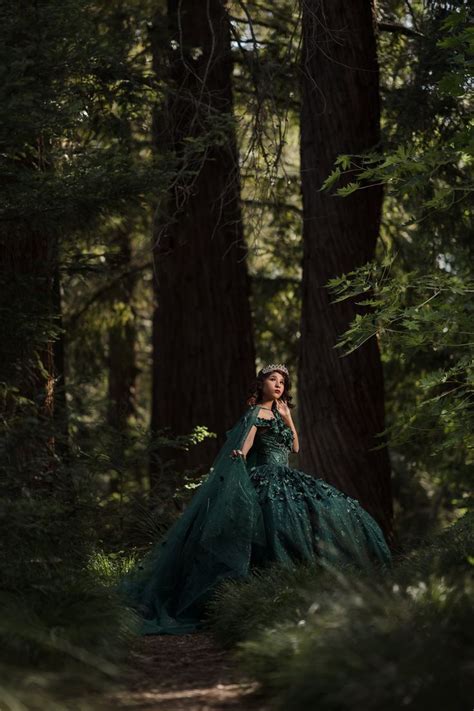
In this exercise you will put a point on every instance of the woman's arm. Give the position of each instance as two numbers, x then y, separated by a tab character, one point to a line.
248	442
285	413
291	424
296	444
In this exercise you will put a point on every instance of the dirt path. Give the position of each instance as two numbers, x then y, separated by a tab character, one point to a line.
183	673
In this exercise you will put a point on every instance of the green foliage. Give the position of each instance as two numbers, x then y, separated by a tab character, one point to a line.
111	473
69	613
427	149
341	639
413	312
78	91
110	567
416	297
242	610
61	638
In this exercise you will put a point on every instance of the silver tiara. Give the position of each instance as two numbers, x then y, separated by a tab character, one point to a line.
273	366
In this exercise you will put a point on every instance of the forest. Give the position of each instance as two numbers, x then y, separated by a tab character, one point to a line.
193	189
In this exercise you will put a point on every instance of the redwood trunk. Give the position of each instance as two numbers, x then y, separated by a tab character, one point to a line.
341	398
203	346
27	268
121	353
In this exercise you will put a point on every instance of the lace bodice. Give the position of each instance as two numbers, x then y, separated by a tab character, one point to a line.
273	442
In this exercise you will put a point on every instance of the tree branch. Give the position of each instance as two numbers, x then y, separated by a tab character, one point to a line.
400	29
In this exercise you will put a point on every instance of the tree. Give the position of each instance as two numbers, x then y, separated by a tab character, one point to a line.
341	398
202	331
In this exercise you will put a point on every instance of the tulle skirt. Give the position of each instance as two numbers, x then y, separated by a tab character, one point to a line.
244	520
305	518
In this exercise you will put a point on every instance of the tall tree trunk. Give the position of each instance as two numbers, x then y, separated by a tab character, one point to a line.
341	398
121	357
59	360
122	368
203	344
27	267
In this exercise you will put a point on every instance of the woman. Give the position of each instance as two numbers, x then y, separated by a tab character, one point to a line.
251	510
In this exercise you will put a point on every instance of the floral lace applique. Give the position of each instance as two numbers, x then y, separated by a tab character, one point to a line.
280	430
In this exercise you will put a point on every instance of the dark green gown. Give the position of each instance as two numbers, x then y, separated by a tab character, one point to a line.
247	514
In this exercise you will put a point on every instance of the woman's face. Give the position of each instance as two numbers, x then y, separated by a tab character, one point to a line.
274	386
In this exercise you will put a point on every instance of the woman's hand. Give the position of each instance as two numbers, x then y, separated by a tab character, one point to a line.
284	410
237	453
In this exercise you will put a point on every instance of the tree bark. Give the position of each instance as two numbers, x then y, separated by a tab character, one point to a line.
27	268
61	413
203	348
121	353
341	398
122	369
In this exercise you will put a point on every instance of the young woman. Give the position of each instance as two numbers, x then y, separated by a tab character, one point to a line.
251	510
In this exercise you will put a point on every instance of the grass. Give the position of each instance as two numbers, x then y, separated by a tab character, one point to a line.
62	638
337	639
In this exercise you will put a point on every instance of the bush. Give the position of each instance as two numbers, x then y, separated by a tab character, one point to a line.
337	639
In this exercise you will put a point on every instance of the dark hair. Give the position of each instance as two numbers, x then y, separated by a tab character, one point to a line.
256	389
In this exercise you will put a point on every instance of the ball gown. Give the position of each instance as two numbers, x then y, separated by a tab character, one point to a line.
248	513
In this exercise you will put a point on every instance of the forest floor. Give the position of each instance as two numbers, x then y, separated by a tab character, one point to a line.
182	673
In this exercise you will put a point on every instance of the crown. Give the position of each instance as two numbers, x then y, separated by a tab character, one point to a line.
273	366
